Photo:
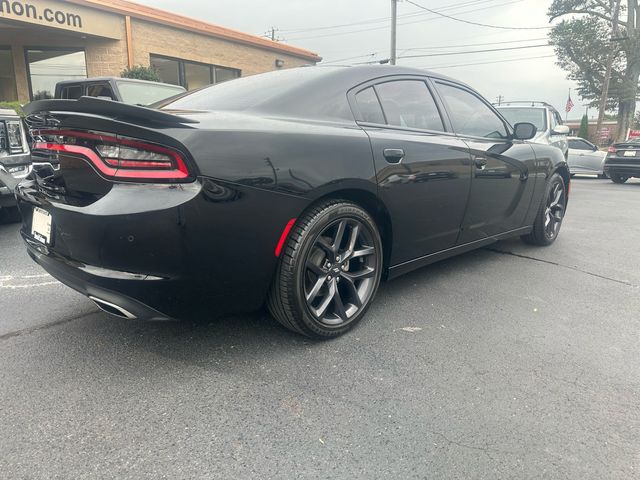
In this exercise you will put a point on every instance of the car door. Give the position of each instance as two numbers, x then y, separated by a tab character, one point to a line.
556	139
502	182
423	171
584	156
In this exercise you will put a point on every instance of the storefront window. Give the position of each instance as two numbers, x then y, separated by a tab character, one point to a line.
191	75
196	75
48	67
167	68
8	91
224	74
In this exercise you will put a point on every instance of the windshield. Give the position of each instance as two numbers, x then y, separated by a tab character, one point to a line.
135	93
525	114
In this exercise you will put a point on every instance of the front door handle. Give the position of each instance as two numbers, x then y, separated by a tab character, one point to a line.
480	162
393	155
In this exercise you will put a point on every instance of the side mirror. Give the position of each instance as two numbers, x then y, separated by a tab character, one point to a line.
524	131
561	130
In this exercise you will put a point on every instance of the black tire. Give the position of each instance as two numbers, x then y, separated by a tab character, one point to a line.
617	178
548	221
311	268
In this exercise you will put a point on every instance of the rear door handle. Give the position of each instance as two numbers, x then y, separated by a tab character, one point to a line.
393	155
480	162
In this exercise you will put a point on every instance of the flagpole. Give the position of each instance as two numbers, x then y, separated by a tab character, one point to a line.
566	110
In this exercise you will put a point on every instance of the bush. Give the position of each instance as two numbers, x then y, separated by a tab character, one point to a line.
584	128
17	106
140	72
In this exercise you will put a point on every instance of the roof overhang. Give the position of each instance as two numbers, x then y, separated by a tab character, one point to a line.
163	17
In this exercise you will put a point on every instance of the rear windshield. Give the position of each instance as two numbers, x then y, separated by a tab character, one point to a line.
537	116
246	92
146	93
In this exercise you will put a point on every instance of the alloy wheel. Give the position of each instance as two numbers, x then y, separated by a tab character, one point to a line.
340	272
554	212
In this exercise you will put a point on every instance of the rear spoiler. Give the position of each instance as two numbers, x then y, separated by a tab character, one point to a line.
37	111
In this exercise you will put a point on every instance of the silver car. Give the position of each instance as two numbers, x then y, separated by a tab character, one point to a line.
585	157
547	120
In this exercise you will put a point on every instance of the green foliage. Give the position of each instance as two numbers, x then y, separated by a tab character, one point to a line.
582	47
140	72
636	121
17	106
584	128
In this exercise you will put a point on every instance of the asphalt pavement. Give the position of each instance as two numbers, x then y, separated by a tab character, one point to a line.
507	362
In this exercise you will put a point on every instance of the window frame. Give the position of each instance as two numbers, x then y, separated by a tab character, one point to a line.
25	52
357	115
472	92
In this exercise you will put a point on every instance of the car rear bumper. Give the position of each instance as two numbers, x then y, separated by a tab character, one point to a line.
161	251
105	287
626	169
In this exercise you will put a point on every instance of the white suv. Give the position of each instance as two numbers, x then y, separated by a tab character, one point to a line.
547	120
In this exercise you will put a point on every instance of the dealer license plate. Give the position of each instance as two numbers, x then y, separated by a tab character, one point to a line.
629	153
41	225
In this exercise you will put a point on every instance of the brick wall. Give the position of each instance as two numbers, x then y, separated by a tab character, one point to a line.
151	38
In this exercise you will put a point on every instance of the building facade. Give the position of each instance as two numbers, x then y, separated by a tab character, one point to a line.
45	41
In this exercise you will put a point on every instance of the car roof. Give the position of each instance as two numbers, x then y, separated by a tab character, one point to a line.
7	112
119	79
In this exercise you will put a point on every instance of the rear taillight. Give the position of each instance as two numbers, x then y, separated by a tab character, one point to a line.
611	149
117	157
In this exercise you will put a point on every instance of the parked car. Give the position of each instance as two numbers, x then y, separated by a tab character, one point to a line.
301	188
547	120
585	157
15	160
623	161
126	90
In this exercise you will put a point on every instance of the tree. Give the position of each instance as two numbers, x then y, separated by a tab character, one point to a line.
140	72
583	43
636	121
584	127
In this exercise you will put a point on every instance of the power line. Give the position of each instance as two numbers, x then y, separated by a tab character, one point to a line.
437	67
405	23
385	19
474	51
436	47
474	23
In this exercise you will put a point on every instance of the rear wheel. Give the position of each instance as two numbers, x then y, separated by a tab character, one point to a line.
550	215
329	271
617	178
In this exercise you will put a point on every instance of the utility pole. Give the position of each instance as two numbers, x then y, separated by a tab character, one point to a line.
499	98
273	34
394	21
607	76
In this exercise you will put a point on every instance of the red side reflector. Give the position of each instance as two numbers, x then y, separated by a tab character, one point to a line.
284	235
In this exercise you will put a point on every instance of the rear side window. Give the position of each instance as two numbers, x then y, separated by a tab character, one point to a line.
470	115
408	103
72	92
369	107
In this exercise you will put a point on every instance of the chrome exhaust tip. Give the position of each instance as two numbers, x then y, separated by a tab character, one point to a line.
112	308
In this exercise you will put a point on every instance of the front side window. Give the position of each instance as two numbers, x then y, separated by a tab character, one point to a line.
100	90
408	103
580	145
48	67
470	115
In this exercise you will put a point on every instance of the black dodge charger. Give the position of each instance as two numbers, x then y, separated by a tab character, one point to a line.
300	189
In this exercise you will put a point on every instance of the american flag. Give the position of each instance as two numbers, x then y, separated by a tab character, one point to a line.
569	104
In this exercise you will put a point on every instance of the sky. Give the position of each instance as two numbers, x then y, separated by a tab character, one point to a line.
354	31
